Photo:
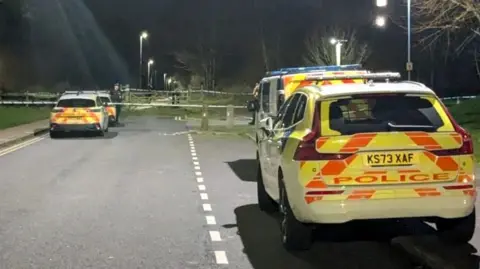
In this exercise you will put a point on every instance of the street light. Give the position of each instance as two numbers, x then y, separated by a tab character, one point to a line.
381	3
143	36
338	48
150	63
380	21
169	81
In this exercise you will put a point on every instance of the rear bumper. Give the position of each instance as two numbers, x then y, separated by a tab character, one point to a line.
75	127
342	211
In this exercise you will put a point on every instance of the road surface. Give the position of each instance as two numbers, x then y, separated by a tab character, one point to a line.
150	196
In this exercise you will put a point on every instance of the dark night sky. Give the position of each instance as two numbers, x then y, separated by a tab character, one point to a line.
177	25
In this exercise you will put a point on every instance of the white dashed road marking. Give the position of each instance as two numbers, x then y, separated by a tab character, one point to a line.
220	255
207	207
211	220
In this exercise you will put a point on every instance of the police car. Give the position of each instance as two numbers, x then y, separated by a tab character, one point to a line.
111	109
376	150
78	111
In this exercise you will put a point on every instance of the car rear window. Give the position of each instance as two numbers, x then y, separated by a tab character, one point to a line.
77	102
105	100
378	113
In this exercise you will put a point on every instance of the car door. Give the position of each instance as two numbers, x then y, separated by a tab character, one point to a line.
264	148
294	115
280	129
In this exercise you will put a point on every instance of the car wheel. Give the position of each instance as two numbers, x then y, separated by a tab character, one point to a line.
295	234
265	202
54	134
456	231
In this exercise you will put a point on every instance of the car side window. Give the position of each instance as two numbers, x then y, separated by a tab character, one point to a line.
265	96
300	110
281	112
290	113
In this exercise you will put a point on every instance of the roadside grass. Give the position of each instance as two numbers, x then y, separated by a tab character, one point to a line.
467	114
14	116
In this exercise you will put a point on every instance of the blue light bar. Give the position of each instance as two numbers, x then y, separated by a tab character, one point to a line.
326	68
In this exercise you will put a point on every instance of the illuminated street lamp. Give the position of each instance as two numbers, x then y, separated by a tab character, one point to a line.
150	63
380	21
381	3
338	48
143	36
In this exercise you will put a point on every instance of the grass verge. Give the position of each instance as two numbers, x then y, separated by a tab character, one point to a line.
14	116
467	114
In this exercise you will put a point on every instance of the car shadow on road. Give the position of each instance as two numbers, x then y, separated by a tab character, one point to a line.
244	169
353	245
83	136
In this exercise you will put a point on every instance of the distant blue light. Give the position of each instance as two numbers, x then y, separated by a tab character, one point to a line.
327	68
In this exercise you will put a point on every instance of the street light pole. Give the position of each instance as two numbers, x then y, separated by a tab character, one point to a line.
143	35
409	44
149	68
164	81
338	49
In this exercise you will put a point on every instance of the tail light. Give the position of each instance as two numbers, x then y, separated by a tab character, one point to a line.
467	146
306	150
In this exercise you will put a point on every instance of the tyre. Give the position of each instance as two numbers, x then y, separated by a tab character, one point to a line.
456	231
295	234
265	203
54	134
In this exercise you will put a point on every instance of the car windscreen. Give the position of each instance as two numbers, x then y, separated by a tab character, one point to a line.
383	113
105	99
77	102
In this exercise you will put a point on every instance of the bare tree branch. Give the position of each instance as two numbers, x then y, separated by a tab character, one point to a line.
319	50
435	19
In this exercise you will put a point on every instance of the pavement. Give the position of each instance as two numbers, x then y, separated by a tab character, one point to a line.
18	133
151	195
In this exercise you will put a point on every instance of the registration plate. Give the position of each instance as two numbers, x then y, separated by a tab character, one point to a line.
391	159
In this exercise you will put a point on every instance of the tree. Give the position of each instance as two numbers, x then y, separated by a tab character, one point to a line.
435	19
320	51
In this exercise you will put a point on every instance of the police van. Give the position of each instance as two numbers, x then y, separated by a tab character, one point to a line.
278	85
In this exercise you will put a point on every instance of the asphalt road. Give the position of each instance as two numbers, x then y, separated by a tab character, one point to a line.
149	196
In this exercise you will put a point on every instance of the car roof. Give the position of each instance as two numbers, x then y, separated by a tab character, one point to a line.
79	96
104	94
326	91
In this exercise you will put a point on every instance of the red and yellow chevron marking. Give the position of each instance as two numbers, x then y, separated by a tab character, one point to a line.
112	111
79	116
394	193
294	82
352	170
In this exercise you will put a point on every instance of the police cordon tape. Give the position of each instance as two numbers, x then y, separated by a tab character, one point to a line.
121	104
134	91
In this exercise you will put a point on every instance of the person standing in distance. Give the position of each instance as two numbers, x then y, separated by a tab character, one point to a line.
116	95
255	93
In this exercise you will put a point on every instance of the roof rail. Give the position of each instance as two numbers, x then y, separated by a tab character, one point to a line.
82	91
413	82
370	76
331	68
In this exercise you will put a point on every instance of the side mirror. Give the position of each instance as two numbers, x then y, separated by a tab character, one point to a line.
266	125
